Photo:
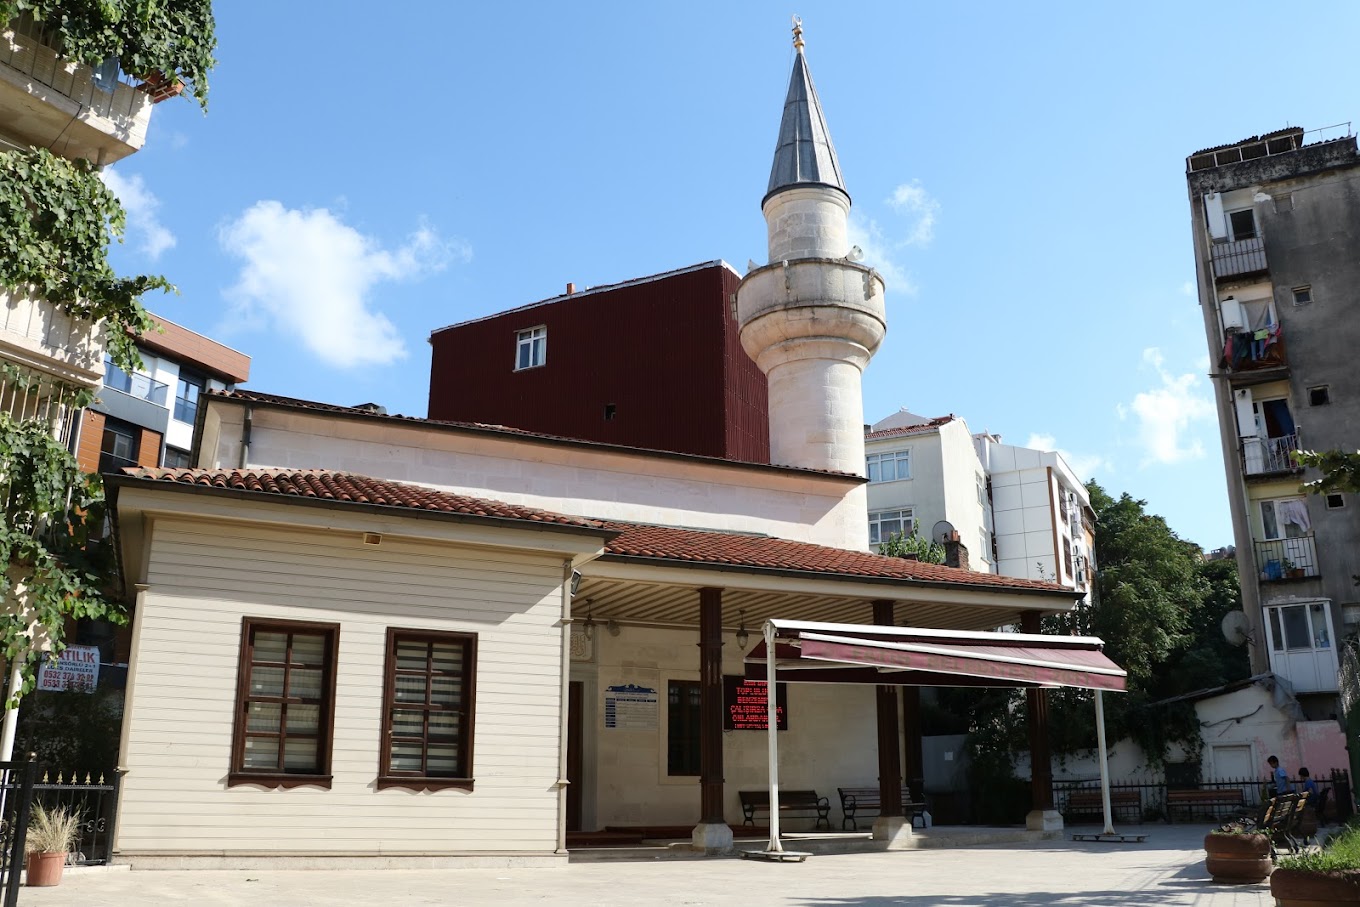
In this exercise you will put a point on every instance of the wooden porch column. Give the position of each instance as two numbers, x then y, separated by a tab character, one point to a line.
710	707
889	740
1040	755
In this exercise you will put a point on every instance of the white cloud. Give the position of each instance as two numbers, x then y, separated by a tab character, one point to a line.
912	223
309	273
1084	465
1188	289
143	226
877	254
912	200
1168	413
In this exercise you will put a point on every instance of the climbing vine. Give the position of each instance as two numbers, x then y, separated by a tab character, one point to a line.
53	512
170	38
56	221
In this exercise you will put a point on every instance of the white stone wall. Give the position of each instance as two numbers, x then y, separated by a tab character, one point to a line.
585	481
807	223
817	415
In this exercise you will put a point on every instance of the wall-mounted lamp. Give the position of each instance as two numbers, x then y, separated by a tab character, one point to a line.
613	627
575	581
743	637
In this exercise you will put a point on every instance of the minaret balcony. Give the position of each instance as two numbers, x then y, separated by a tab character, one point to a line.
49	101
1239	258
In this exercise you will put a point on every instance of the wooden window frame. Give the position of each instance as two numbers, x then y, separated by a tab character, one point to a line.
386	777
238	774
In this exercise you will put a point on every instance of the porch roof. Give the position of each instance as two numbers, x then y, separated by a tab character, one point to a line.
912	656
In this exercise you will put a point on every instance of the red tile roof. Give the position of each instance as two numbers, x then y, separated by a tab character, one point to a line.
927	426
321	484
248	396
730	549
634	540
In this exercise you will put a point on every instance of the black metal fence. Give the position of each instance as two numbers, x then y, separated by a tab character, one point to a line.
1143	799
24	783
95	800
16	796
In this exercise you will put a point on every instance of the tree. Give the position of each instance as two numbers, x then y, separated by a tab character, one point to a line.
1340	470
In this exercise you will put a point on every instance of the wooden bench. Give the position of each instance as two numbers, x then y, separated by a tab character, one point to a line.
1213	801
1089	801
792	803
867	799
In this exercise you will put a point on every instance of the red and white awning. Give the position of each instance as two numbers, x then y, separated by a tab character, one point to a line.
907	656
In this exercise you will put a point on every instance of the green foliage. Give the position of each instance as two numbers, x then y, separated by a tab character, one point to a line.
1158	606
56	220
1342	851
53	512
1340	470
899	545
175	38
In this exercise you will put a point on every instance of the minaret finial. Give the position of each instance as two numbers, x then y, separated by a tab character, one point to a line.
798	34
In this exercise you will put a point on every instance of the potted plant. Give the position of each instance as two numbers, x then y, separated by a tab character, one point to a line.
1328	876
1236	853
51	832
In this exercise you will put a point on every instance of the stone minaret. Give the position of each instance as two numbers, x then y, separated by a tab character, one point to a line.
812	317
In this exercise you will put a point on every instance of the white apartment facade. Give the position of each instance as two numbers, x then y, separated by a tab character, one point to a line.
1019	511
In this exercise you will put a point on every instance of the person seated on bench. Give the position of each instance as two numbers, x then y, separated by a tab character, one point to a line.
1307	785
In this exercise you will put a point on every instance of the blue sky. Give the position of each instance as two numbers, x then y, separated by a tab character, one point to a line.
1017	174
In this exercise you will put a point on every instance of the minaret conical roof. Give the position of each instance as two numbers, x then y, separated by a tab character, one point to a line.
804	155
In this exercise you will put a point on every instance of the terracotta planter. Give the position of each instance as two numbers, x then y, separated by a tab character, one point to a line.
1311	888
1237	859
44	869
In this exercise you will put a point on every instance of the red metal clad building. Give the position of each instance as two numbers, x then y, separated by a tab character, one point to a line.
654	362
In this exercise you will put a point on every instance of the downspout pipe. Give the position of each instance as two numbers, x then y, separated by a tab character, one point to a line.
564	725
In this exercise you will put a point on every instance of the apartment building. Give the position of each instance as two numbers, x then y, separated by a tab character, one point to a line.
148	418
1276	226
1019	511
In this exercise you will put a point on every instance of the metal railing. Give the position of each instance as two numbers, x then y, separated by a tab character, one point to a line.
1242	256
95	800
1262	456
1143	798
109	462
16	797
1281	142
1283	559
143	387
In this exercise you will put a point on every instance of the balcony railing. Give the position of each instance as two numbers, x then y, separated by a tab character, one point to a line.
140	386
1243	352
1234	259
1263	456
1285	559
109	462
25	45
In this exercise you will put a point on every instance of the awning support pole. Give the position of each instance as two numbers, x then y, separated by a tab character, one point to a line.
772	721
1104	762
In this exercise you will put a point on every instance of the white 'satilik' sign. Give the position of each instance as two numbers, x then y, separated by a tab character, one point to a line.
76	668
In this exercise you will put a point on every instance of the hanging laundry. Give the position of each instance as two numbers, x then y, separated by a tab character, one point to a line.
1295	512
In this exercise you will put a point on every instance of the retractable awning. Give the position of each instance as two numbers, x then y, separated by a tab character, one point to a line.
908	656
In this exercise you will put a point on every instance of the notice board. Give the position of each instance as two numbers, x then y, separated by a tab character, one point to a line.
746	706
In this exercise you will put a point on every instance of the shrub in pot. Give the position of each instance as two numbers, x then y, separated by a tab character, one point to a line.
1236	853
51	832
1330	876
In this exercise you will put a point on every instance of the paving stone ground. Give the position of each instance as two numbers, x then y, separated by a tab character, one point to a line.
1168	869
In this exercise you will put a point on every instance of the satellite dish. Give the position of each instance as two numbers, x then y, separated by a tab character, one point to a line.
942	532
1236	630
